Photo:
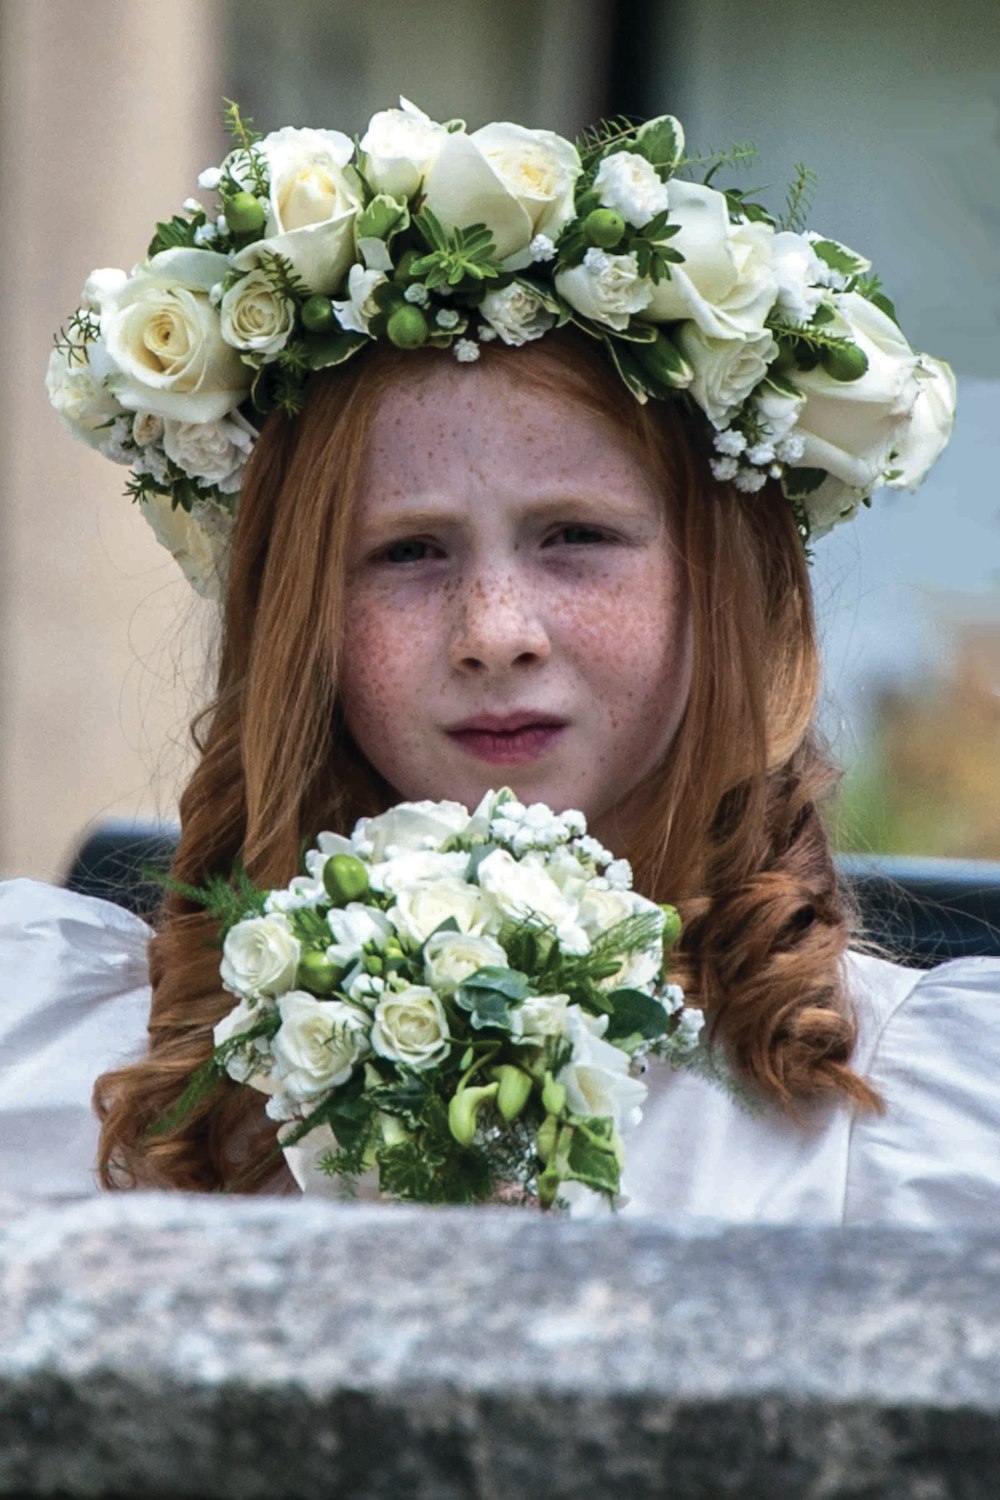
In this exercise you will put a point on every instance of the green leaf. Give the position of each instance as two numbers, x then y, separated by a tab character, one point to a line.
202	1084
487	1004
174	233
661	142
408	1097
507	982
383	218
591	1157
323	350
801	482
631	371
635	1014
838	257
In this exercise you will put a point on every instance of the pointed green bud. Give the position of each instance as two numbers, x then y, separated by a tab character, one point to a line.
604	228
553	1096
407	327
318	315
464	1108
545	1138
662	359
671	926
515	1089
345	879
317	974
846	364
548	1187
244	213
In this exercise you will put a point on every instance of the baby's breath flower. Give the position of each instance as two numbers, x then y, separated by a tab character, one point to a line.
542	248
465	351
760	454
417	293
487	334
730	442
210	178
446	317
790	449
724	468
206	234
749	481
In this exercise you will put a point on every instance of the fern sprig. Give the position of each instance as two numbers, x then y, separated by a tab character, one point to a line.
77	332
596	139
241	131
799	197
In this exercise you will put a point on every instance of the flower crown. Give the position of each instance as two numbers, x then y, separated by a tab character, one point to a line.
780	340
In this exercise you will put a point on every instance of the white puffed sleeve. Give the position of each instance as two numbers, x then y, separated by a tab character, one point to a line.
74	998
933	1158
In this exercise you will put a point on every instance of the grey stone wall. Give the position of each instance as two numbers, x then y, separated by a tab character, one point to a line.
170	1347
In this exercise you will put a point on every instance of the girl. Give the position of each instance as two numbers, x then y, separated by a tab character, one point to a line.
448	574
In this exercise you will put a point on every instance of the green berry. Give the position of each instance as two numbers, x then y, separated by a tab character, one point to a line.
318	315
515	1088
244	213
317	974
345	879
407	328
847	363
604	228
671	926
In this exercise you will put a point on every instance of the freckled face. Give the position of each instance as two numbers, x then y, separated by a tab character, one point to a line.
516	610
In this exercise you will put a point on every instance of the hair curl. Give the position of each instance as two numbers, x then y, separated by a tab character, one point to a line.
733	833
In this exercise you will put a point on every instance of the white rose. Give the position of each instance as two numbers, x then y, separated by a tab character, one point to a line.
602	909
726	370
850	427
405	869
311	208
422	907
214	452
630	184
260	956
516	315
410	1027
929	428
607	288
450	957
352	927
800	276
541	1017
596	1078
163	335
726	283
518	182
197	540
256	318
318	1043
239	1021
409	825
523	889
76	387
357	311
400	145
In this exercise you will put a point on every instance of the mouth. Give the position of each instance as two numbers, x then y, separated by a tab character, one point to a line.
508	739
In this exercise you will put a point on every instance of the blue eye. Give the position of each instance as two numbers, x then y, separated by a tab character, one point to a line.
409	551
576	536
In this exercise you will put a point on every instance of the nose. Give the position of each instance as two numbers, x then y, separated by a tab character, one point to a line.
498	625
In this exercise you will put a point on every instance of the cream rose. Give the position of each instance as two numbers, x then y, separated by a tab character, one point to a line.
163	335
311	208
318	1044
541	1017
518	182
726	283
606	288
197	540
851	427
630	184
260	956
523	889
77	389
400	145
410	1027
421	908
214	452
726	370
516	315
410	825
450	957
256	318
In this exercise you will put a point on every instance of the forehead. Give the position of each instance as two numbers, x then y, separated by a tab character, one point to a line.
483	421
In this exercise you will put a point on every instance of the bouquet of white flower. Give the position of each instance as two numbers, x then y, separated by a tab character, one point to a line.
463	1002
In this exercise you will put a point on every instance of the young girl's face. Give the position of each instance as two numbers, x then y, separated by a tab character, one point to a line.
516	612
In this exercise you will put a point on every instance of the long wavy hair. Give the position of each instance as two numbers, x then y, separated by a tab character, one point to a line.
733	834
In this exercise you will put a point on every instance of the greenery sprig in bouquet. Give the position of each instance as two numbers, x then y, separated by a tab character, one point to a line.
463	1003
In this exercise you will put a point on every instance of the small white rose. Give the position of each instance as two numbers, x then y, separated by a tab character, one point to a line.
516	315
352	926
400	145
541	1017
397	870
357	311
318	1044
260	956
523	889
517	182
450	957
726	370
726	283
410	825
422	907
198	540
77	389
255	317
410	1027
163	335
311	208
606	288
630	184
214	452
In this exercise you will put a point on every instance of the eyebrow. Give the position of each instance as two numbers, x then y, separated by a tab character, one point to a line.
428	517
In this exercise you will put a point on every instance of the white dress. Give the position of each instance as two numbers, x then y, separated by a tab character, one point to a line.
74	998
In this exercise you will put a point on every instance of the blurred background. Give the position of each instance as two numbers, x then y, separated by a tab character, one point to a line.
109	109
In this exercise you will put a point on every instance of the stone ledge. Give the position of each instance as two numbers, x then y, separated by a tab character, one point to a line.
180	1347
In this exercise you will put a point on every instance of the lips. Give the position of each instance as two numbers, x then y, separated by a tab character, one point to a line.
508	739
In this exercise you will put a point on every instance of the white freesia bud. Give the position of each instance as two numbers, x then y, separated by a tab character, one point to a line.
726	283
353	926
410	1027
360	307
630	184
726	370
596	1078
237	1022
214	452
517	182
318	1043
400	145
163	335
606	288
516	315
450	957
260	956
255	317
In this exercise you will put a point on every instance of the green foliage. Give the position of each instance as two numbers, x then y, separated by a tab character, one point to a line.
801	482
597	139
635	1018
433	1168
739	155
661	142
228	899
245	138
798	199
77	332
175	233
283	277
453	257
487	996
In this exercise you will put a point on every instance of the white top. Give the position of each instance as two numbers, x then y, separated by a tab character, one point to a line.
74	998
